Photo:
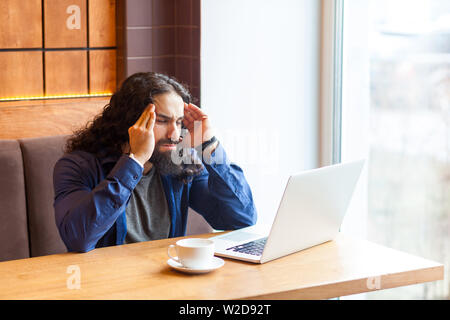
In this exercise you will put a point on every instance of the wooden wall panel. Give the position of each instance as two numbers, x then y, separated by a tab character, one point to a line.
28	119
66	72
20	26
102	27
102	71
21	74
65	23
56	69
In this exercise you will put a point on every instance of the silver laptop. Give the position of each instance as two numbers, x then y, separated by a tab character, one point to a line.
311	212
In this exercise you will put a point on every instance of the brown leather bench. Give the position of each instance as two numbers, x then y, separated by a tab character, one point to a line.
27	219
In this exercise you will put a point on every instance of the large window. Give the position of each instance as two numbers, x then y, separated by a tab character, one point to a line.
396	109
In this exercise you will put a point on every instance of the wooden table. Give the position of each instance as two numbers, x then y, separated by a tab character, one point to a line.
139	271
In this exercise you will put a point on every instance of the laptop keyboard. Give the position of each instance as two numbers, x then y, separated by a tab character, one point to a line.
253	247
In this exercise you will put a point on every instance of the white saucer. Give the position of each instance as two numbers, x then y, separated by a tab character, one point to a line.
216	264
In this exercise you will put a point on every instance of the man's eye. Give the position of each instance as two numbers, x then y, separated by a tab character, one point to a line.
161	121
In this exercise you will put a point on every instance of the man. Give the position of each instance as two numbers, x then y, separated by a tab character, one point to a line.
130	175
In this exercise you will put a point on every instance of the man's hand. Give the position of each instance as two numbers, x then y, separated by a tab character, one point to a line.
142	139
198	124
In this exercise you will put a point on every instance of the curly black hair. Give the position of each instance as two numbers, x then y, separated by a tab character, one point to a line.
108	132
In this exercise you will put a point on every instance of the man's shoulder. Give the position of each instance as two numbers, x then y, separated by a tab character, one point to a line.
79	161
79	156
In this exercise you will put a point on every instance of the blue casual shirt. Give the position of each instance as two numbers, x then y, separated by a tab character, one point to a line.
91	195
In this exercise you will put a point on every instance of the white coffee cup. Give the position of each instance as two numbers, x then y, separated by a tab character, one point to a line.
193	253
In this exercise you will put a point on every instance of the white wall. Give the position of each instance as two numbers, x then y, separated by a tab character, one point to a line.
355	113
260	80
355	108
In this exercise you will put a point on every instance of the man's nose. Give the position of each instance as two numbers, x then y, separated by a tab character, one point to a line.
174	132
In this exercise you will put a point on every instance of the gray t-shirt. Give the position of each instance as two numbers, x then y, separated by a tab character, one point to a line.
147	213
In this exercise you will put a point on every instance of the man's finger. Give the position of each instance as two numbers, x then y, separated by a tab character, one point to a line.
187	123
143	118
195	110
151	121
188	116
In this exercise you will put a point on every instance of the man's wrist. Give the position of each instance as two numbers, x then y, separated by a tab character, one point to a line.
132	156
207	143
211	147
207	154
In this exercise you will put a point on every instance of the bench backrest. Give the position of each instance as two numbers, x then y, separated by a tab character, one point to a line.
27	219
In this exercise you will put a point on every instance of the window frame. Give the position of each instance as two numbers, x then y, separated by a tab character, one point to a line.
331	82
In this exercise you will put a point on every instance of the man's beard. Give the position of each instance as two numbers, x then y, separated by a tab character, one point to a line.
164	164
163	160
